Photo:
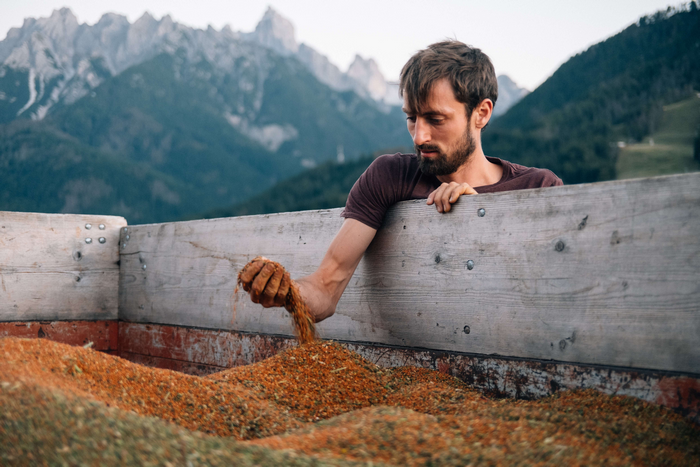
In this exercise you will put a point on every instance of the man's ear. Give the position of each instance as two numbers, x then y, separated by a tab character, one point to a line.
482	113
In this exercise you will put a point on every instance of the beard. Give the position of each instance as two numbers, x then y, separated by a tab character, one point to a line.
447	163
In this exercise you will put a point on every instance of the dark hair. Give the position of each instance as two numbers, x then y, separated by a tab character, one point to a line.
468	69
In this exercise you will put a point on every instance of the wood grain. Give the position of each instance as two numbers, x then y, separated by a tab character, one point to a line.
48	271
605	273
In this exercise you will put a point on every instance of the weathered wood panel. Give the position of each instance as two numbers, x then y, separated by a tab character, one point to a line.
104	335
605	274
203	351
49	272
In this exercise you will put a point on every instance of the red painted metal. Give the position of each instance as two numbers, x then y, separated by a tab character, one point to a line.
202	351
211	348
104	335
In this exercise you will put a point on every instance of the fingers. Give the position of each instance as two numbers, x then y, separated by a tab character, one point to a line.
447	194
260	281
270	292
267	281
431	197
249	272
281	298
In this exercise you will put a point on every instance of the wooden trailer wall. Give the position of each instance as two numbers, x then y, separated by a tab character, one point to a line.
519	293
59	277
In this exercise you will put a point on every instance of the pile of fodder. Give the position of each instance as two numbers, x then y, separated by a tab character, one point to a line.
41	426
314	403
194	403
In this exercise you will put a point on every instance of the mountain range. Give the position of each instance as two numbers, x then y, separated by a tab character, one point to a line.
617	92
154	120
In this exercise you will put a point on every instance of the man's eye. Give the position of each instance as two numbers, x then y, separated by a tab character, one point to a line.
411	119
435	121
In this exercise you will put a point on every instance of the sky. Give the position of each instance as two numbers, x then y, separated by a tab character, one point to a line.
526	39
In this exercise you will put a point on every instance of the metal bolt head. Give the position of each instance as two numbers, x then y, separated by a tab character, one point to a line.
88	226
466	330
102	226
102	240
470	264
481	212
127	237
125	229
88	241
144	267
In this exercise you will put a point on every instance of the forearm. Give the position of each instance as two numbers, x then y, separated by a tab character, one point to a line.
320	302
268	282
322	290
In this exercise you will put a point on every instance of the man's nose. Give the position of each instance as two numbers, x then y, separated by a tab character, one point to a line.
421	133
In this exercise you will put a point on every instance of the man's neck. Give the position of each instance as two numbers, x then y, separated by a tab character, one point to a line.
477	171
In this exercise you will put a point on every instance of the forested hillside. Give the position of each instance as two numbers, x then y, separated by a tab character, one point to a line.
612	93
155	120
324	187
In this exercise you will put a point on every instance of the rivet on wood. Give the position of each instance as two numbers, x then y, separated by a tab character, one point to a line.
467	330
88	241
88	226
125	229
144	267
470	264
559	246
481	212
102	240
127	237
102	226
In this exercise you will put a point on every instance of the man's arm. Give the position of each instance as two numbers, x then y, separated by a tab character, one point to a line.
321	290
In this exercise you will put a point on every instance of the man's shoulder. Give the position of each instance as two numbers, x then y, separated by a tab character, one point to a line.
520	177
534	172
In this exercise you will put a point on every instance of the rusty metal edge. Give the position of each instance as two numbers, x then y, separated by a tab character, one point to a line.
183	347
104	334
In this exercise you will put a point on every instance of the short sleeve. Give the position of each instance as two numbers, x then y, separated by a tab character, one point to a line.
374	192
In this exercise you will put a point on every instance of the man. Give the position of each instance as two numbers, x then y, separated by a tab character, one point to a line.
449	90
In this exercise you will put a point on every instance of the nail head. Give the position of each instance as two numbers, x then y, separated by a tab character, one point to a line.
88	226
481	212
102	240
88	240
102	226
470	264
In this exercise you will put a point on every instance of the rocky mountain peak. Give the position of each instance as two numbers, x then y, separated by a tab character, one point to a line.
276	32
367	73
509	93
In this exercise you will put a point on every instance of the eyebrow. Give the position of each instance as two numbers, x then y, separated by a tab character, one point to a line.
431	113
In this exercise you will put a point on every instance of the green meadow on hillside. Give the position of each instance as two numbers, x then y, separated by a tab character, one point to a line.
668	150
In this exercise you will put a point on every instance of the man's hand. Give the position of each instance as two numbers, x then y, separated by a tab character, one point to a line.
267	282
447	194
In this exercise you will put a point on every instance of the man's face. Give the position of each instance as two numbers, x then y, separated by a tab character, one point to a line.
441	132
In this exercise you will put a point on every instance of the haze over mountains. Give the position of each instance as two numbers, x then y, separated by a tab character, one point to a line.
155	120
641	82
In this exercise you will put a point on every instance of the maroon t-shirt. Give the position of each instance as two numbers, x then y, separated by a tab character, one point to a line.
397	177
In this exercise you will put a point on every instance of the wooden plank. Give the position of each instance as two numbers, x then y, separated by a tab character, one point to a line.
605	274
201	352
49	272
104	335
